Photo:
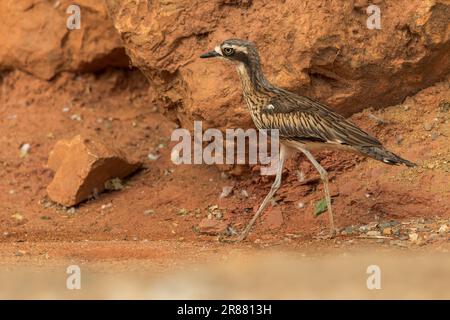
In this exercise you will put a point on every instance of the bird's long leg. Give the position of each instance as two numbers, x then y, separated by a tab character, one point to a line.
324	176
275	186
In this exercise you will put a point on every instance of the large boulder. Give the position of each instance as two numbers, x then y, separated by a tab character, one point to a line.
321	48
34	38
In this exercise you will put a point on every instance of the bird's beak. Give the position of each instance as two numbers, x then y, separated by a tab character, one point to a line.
210	54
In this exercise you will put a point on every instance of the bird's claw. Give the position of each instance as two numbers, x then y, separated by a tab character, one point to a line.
231	239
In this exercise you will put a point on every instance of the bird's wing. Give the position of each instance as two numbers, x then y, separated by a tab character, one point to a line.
301	118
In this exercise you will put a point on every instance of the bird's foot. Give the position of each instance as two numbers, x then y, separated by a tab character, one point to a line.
232	238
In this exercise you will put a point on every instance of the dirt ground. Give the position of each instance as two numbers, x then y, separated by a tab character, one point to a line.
151	225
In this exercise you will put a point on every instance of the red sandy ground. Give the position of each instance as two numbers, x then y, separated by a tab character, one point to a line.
31	111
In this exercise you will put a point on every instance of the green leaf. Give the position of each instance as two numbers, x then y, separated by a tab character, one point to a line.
320	207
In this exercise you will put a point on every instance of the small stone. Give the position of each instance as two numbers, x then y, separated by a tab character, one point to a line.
349	230
432	237
435	135
106	206
17	216
428	126
153	156
300	176
212	227
383	225
226	191
413	237
149	212
273	219
373	233
224	175
387	231
114	184
244	193
182	212
444	106
76	117
372	225
20	253
168	172
71	210
300	205
24	149
443	229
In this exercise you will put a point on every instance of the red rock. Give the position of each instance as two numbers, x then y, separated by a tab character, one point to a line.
304	46
82	166
35	38
273	219
212	227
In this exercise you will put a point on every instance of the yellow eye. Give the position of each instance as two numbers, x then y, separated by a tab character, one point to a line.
228	51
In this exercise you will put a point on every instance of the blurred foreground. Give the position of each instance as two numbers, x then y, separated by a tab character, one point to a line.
244	272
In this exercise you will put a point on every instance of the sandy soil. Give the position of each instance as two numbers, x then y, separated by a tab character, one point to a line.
120	232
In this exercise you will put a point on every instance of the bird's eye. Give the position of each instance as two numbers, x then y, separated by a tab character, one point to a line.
228	51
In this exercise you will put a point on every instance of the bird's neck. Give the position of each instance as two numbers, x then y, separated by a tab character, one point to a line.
253	80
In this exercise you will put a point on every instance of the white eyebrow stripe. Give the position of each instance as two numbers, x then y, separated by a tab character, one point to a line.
218	50
240	48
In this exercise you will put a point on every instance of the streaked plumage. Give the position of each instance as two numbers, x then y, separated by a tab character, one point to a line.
303	124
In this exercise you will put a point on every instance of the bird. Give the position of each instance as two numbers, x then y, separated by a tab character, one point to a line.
303	124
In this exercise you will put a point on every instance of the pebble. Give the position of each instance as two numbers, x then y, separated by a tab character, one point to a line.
413	237
349	230
443	229
149	212
182	212
373	233
226	191
428	126
75	117
24	149
432	237
363	229
435	135
20	253
106	206
153	156
17	216
114	184
224	175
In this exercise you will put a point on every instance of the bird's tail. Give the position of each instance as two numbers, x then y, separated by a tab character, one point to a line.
386	156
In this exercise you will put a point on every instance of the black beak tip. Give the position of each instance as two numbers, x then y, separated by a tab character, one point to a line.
210	54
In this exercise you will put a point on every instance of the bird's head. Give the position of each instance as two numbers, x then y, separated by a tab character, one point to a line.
235	50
